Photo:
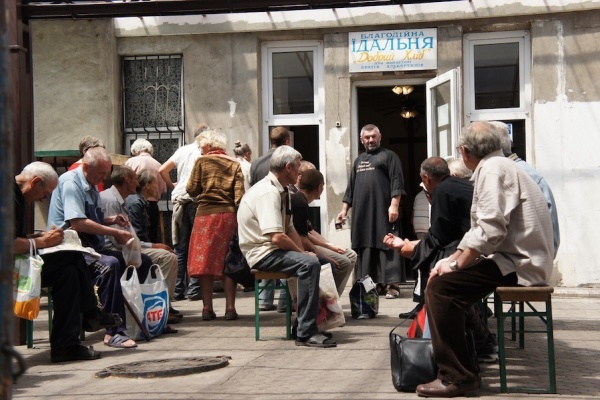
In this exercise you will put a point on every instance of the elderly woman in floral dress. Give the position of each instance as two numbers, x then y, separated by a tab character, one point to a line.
218	181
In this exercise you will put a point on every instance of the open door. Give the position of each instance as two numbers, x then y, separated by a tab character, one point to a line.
443	114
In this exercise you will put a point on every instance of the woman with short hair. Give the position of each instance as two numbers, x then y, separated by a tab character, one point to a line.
218	182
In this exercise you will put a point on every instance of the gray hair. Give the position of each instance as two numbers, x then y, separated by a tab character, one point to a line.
141	145
503	135
96	154
435	167
145	176
213	138
480	139
458	168
369	128
44	170
282	156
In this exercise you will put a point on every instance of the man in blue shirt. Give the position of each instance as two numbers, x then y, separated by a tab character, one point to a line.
76	200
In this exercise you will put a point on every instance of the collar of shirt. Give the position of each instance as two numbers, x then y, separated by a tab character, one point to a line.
276	182
119	198
85	184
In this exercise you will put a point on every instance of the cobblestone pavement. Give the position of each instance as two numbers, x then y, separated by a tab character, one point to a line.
359	368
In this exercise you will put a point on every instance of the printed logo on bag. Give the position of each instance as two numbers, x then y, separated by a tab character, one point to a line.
155	313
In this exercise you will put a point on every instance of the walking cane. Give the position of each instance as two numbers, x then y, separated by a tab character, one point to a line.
137	320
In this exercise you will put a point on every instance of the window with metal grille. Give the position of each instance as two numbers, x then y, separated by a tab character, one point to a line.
153	102
153	108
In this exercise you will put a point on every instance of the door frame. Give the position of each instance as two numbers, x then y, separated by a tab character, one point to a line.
452	76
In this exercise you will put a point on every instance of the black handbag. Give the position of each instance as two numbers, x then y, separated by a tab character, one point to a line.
412	361
236	266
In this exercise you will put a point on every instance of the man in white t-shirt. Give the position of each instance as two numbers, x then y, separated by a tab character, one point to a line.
269	241
184	211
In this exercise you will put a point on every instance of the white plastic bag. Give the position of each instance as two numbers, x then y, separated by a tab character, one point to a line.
27	278
132	250
331	313
149	300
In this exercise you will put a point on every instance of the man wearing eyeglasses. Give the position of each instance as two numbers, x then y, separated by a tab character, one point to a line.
510	243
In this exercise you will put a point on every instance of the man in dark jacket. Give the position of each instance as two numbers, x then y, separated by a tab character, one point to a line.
450	199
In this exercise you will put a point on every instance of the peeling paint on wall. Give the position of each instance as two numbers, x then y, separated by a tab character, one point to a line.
232	107
337	155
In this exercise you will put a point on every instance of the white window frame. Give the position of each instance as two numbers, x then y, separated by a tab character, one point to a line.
315	118
523	38
451	77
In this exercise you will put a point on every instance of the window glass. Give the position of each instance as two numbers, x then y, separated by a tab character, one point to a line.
496	75
293	83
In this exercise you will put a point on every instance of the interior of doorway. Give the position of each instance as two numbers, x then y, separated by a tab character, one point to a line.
407	137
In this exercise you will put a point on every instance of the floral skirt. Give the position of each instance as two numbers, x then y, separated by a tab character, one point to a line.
209	243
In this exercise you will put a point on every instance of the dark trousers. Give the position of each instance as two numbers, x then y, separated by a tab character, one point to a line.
308	270
106	274
72	293
383	266
181	251
154	217
447	299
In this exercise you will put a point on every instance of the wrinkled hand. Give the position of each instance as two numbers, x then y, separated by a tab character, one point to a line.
408	249
393	242
50	238
122	220
122	237
441	267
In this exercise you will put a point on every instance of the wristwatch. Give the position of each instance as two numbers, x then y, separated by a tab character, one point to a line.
453	265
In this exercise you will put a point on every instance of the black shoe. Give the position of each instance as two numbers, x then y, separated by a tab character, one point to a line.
100	319
178	297
412	313
74	353
173	311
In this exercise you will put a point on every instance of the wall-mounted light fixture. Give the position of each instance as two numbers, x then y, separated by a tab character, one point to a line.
408	113
406	89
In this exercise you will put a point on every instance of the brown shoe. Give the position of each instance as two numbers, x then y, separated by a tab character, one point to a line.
439	388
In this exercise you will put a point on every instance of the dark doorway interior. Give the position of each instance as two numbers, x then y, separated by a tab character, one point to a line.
407	137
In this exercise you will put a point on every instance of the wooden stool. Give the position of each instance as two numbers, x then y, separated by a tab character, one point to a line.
276	277
521	296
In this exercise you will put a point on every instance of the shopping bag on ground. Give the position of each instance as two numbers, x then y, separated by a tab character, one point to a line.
27	277
148	300
412	361
331	313
364	300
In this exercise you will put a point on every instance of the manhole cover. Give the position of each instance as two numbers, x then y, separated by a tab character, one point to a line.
165	367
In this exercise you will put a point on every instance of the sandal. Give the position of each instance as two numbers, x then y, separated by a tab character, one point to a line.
119	341
231	315
392	292
208	315
318	340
